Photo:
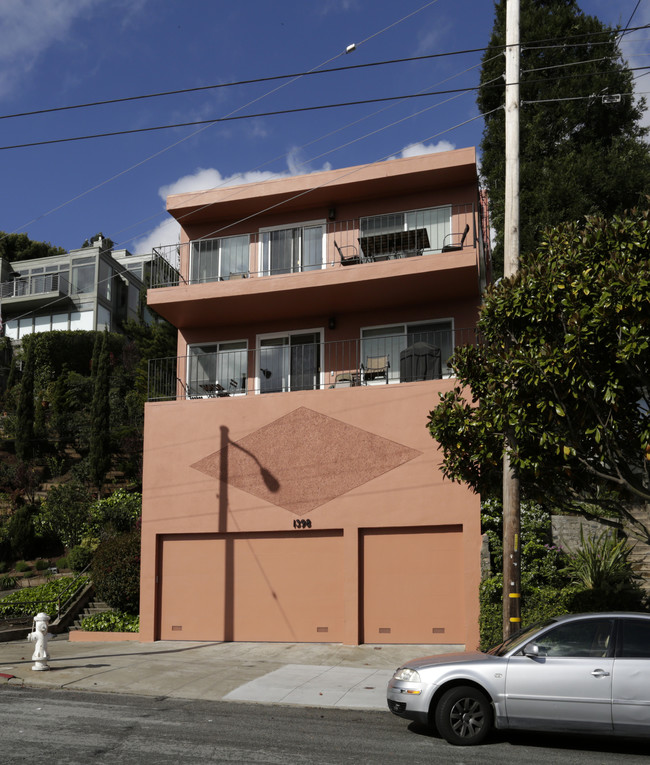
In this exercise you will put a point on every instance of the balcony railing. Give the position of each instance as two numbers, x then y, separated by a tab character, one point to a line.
36	284
295	365
340	243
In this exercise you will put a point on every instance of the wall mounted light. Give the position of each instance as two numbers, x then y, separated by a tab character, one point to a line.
332	322
331	213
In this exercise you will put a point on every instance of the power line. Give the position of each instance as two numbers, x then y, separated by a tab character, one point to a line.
351	67
300	109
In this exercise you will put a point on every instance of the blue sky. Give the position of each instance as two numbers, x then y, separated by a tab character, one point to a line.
55	54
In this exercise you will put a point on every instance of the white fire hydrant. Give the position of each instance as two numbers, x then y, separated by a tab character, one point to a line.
40	636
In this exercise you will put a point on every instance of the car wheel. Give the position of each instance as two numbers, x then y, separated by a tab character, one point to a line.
463	716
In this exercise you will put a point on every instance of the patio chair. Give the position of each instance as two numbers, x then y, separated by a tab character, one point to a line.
348	260
376	367
454	242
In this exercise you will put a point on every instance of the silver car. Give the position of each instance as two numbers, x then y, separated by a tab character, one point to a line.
574	673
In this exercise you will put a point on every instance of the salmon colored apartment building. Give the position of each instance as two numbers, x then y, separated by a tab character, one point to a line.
291	489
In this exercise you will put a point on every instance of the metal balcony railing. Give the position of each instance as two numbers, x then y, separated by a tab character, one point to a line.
37	284
340	243
298	365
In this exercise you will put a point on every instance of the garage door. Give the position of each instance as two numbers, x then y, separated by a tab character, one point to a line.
253	587
412	588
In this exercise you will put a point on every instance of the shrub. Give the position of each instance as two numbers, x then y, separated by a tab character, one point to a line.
111	621
8	582
79	557
42	564
22	565
116	572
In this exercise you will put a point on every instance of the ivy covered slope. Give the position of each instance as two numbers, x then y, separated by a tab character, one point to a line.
563	364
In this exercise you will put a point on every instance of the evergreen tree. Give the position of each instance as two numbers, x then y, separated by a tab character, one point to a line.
25	414
579	153
21	247
99	457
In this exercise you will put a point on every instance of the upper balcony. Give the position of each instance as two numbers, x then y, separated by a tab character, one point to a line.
29	293
323	267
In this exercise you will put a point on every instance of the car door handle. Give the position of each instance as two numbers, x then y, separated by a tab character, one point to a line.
600	673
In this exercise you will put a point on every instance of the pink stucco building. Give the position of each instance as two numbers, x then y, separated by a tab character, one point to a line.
291	489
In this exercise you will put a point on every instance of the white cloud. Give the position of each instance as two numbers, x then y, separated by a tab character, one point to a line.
29	27
417	149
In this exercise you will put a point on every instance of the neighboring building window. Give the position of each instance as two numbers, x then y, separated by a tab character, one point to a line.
217	368
105	284
11	329
407	352
286	250
215	259
83	275
290	362
42	323
134	300
103	318
82	320
60	321
25	327
436	221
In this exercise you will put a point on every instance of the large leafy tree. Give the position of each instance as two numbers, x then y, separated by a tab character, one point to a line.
563	363
21	247
580	154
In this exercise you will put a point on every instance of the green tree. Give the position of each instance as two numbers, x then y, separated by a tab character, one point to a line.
564	361
64	513
20	247
99	457
579	155
25	414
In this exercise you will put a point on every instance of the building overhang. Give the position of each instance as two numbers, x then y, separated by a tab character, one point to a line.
358	288
379	179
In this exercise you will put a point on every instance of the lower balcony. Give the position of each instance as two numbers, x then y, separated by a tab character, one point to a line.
303	362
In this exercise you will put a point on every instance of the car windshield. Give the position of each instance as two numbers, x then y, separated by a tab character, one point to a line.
521	636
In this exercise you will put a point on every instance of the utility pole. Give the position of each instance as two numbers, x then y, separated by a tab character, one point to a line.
511	514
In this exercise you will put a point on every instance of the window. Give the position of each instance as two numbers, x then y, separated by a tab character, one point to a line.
407	352
82	320
105	280
286	250
103	318
290	362
217	367
215	259
83	275
436	221
634	641
589	638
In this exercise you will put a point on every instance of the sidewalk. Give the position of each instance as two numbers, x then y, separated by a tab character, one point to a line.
308	674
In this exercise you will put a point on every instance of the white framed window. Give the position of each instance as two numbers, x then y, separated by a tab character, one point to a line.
435	220
215	259
288	249
217	369
407	352
289	361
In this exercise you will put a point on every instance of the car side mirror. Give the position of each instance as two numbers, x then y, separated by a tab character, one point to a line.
534	651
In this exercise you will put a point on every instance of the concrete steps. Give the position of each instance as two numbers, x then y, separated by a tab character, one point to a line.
94	607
